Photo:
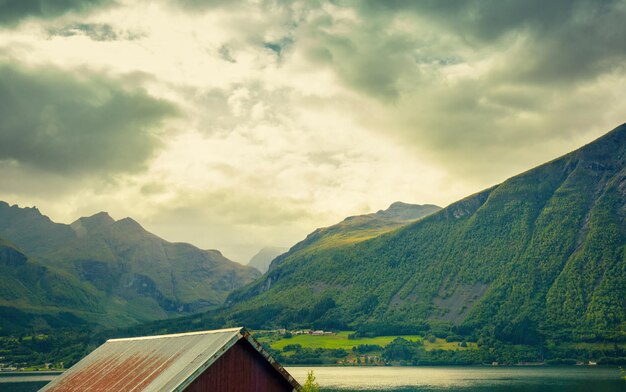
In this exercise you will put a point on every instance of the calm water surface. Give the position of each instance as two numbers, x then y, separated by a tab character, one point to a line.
465	379
420	379
25	381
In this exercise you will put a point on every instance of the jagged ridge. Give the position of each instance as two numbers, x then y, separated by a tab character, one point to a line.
124	273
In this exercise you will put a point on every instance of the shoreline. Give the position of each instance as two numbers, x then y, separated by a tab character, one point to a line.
9	373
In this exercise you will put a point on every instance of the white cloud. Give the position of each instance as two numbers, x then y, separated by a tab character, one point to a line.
295	116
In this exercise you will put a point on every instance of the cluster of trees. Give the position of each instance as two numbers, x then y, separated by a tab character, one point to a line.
69	346
366	348
308	356
61	347
405	352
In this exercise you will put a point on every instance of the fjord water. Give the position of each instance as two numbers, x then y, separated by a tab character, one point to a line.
465	379
25	381
420	379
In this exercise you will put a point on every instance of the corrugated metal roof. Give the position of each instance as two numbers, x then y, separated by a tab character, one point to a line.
153	363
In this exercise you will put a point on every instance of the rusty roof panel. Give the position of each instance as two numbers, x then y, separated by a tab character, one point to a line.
152	363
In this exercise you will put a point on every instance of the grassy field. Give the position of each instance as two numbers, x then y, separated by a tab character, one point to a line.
340	340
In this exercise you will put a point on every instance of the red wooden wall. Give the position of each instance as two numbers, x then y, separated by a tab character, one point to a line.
240	369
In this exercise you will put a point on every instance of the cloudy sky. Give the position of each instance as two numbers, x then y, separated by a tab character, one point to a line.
241	124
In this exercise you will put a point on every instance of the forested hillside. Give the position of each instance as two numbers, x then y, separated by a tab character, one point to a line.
103	272
539	256
532	269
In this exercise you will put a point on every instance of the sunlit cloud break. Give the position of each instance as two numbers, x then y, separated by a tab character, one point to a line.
242	124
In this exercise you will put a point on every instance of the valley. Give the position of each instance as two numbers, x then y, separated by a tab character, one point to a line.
528	271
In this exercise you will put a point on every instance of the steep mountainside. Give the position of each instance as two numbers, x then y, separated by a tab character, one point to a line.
129	274
359	228
28	228
262	260
540	255
33	296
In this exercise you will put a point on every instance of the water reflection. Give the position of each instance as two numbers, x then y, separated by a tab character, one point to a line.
421	379
25	381
466	379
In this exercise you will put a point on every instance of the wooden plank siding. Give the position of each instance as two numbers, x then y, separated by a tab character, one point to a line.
242	368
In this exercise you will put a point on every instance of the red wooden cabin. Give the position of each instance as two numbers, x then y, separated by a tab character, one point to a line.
221	360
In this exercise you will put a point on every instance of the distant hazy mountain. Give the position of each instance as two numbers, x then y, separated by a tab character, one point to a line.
540	256
262	260
113	272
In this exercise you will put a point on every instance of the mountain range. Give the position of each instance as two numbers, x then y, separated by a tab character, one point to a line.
105	272
539	256
537	260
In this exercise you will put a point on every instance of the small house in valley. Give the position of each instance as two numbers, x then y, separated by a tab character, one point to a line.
220	360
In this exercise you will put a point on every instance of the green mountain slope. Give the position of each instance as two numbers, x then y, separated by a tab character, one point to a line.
129	274
540	255
351	230
355	229
33	296
29	229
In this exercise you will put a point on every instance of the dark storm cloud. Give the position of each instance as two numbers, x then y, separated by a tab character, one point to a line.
555	42
460	80
14	11
465	80
95	31
485	20
77	122
566	40
489	19
204	5
375	63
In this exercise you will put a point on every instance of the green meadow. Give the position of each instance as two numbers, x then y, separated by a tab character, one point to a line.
341	341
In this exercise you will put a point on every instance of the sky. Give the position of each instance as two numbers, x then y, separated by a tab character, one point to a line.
236	125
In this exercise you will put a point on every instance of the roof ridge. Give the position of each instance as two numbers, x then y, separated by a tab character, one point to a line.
175	335
163	362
